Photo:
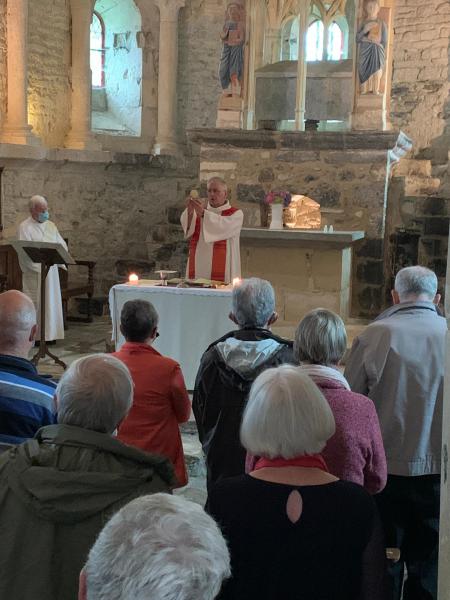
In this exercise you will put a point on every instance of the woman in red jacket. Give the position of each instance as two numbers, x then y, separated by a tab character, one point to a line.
160	400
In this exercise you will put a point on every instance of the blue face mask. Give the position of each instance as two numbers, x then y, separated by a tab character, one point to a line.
43	216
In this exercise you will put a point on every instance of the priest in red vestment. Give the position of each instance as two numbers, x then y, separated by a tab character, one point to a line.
213	230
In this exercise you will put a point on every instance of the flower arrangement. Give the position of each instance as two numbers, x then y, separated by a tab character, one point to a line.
278	197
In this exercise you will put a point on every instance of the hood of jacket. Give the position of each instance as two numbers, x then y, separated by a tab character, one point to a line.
67	474
247	358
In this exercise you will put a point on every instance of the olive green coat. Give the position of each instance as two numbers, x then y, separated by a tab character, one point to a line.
56	493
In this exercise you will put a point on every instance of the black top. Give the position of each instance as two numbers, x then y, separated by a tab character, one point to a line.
334	551
219	400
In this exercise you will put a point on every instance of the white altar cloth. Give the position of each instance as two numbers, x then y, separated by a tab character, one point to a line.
190	319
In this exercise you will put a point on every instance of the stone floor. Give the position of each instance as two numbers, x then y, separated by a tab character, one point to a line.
88	338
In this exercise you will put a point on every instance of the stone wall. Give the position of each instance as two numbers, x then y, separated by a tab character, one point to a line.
346	174
124	216
199	54
49	70
420	88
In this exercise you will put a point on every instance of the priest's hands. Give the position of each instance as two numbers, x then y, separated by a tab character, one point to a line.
195	205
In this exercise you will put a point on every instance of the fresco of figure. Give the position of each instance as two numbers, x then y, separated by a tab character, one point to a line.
232	60
372	40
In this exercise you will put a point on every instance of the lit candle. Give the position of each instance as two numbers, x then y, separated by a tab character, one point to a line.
133	279
236	281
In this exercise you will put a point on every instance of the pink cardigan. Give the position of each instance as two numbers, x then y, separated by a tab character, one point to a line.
355	452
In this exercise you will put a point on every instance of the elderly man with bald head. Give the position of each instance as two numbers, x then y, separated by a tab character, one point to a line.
213	228
38	228
26	399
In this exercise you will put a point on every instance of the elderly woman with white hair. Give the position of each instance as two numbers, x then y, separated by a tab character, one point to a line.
157	547
294	530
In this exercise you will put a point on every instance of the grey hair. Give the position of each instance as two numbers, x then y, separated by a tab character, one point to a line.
320	338
96	392
219	180
286	415
35	200
160	547
413	282
138	320
253	302
17	318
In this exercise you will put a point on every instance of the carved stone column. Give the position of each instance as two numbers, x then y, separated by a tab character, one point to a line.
16	129
80	135
166	139
301	66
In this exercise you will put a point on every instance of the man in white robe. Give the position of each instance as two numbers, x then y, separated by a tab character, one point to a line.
37	228
213	231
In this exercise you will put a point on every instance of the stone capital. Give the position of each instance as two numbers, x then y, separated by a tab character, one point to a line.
168	9
82	6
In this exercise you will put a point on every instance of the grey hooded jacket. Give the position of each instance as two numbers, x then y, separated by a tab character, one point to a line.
398	361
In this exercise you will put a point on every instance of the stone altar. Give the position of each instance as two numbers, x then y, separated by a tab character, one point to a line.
308	269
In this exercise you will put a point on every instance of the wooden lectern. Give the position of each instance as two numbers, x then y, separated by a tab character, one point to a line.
47	254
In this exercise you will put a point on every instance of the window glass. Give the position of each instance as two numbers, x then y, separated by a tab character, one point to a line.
97	50
314	41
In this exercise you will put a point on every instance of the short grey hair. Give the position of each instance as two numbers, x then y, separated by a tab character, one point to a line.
138	319
412	282
222	182
253	302
35	200
286	415
320	338
96	392
17	318
160	547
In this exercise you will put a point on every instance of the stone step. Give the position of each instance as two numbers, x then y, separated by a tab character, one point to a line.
411	166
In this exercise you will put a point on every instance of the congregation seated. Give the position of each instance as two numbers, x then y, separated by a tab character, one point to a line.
227	370
26	398
160	400
58	489
355	452
294	530
157	547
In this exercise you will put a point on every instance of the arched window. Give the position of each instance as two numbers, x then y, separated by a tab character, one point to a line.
335	48
314	41
97	50
289	39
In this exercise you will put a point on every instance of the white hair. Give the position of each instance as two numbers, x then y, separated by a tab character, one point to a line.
96	392
17	317
219	180
35	200
414	282
253	302
320	338
158	547
286	415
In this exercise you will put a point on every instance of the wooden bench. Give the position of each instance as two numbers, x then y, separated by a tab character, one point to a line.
11	279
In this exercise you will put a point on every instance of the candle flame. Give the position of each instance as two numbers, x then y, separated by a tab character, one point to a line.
236	281
133	278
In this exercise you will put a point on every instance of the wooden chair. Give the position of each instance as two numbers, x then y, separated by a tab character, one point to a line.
11	279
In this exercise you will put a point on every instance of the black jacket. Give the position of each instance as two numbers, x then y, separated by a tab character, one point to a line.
227	370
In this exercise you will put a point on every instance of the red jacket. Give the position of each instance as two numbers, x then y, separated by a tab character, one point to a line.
160	403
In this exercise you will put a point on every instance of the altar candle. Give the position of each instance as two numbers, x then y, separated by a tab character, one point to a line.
133	279
236	281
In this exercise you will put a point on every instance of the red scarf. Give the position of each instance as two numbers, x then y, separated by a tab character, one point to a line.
313	461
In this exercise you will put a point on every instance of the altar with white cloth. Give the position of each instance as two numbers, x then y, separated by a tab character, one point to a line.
190	319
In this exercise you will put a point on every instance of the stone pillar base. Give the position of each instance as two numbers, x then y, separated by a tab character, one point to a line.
79	141
370	113
23	136
229	114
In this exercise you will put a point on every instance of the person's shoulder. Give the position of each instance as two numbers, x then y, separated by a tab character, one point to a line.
354	494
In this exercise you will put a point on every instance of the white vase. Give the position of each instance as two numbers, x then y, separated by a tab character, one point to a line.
277	216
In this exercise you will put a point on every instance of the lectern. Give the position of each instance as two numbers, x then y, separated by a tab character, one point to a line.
47	254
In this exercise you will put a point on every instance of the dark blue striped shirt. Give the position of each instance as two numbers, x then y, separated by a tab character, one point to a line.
26	400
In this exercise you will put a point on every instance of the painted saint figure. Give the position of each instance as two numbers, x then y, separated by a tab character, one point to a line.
232	60
372	40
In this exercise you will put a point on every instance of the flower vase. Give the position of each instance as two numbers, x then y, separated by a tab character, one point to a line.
277	217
